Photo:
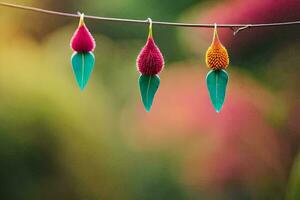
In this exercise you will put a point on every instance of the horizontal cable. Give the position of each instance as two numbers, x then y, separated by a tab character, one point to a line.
235	27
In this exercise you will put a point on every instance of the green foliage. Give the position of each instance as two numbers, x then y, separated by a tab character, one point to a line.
148	88
83	64
216	81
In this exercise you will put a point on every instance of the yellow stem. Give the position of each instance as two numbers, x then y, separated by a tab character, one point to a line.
150	35
216	36
81	21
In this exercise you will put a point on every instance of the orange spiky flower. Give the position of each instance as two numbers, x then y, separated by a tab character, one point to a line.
216	55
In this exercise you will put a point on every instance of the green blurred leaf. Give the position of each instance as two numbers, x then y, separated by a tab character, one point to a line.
148	88
216	81
83	64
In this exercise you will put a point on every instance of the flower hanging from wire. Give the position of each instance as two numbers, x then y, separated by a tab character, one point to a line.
83	59
150	63
217	60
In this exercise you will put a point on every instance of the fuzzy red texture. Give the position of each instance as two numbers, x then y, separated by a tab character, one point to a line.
150	60
82	40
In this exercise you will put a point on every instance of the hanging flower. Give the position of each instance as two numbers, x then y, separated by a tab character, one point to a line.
82	40
83	59
149	63
217	55
150	60
216	80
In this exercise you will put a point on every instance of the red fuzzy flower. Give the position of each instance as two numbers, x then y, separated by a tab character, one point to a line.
82	40
150	60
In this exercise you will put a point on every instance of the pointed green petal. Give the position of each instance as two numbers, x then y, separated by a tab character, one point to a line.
216	81
148	88
83	64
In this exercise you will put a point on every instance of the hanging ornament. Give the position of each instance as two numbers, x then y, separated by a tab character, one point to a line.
149	63
217	60
83	59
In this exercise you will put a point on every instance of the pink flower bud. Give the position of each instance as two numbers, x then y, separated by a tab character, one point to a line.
150	60
82	40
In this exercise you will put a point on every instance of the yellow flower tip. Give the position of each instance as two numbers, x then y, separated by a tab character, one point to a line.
216	40
81	21
216	55
150	35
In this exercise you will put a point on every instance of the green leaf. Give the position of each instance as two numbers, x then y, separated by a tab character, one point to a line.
216	81
83	64
148	88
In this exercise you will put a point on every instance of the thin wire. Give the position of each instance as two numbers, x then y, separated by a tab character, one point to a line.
235	27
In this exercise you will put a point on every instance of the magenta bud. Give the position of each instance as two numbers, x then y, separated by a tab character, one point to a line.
82	40
150	60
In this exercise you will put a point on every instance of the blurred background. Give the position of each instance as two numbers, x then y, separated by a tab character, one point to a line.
59	143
